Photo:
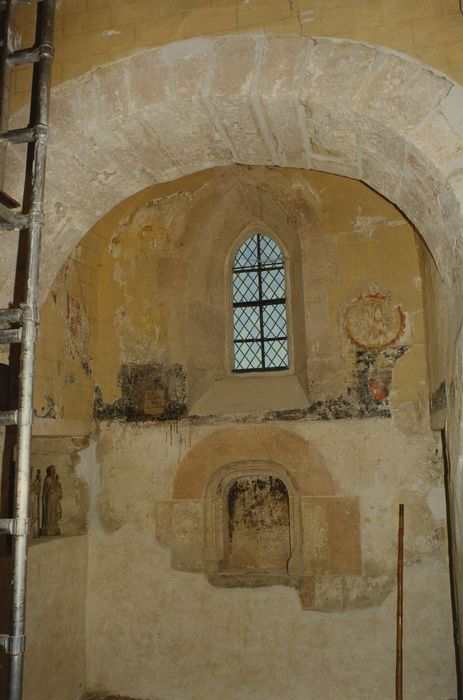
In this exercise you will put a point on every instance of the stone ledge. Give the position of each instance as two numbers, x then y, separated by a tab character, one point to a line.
230	579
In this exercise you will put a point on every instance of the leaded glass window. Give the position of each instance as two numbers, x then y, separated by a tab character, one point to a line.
260	335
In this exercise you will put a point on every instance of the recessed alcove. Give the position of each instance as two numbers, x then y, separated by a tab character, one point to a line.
256	506
258	524
253	513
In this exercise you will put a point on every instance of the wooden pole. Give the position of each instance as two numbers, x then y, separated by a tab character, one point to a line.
400	601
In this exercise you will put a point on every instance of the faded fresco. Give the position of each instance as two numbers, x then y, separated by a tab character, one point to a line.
374	322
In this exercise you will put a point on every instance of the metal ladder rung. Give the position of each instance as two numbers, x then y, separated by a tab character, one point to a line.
3	3
10	219
8	200
13	526
24	135
11	335
18	222
13	645
22	56
8	417
10	315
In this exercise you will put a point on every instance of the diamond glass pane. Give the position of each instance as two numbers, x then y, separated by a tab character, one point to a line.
274	319
247	253
248	356
270	253
246	323
276	354
245	287
259	308
273	284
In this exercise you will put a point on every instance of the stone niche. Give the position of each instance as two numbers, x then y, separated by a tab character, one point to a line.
253	525
258	536
257	506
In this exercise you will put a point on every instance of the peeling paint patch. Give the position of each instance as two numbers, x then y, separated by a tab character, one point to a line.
374	373
366	226
366	397
78	332
50	410
306	16
438	407
148	392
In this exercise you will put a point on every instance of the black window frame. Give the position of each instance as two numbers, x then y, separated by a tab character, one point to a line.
260	304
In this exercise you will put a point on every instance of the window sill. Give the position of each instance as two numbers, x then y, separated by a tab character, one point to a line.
252	392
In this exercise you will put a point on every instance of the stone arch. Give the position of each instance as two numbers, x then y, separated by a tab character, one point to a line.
199	506
334	105
250	443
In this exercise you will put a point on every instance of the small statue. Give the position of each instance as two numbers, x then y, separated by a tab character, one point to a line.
34	504
51	503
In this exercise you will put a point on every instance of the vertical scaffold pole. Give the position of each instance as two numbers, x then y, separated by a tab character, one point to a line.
30	222
400	600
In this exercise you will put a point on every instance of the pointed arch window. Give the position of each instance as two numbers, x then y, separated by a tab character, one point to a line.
260	334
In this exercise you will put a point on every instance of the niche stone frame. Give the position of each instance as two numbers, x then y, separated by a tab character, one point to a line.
325	555
218	525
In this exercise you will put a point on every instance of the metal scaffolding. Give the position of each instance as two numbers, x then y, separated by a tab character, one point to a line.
19	325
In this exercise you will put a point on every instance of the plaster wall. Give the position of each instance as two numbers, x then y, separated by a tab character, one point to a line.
63	351
156	253
170	634
55	662
248	650
157	259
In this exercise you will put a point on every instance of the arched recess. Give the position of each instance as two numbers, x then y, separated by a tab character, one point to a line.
195	473
229	215
216	505
194	523
328	104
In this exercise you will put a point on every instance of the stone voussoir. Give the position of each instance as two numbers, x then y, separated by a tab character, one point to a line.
242	113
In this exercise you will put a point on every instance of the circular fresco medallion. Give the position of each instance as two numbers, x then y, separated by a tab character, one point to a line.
373	322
